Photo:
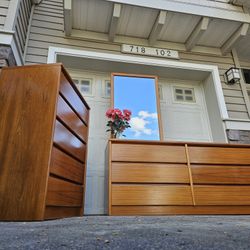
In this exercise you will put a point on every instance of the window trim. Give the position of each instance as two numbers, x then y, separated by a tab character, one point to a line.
80	79
184	101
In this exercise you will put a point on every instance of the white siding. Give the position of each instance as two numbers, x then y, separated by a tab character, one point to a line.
4	4
47	29
22	23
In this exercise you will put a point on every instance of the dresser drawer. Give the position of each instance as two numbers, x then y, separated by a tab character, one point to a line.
65	166
62	193
69	142
224	195
69	117
145	195
74	100
129	172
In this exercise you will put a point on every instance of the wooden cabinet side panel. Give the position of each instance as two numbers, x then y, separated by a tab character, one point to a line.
27	100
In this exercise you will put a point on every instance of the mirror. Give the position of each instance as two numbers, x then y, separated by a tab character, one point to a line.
139	95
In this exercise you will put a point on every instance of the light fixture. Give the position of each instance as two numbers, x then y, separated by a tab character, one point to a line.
233	75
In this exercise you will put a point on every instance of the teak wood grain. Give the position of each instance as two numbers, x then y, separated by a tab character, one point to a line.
29	105
148	153
68	116
151	194
66	140
63	193
222	195
143	177
219	155
61	212
149	173
66	167
180	210
74	99
26	98
219	174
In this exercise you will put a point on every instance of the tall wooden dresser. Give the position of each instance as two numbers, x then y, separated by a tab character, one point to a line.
43	143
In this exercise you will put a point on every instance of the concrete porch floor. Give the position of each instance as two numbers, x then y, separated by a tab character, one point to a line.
103	232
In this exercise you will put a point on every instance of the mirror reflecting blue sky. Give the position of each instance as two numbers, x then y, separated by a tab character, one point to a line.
138	95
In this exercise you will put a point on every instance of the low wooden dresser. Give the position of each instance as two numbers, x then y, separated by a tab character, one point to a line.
43	143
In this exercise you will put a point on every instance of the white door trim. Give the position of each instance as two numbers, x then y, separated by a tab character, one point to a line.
54	51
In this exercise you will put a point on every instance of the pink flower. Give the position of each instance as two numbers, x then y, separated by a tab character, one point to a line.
117	112
127	113
109	113
118	121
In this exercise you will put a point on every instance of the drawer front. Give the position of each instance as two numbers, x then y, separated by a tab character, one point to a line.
68	116
63	193
65	166
149	173
69	142
72	97
219	174
222	195
219	155
151	195
148	153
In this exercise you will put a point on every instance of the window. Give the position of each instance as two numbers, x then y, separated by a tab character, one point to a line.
107	88
160	92
84	85
76	82
246	73
184	94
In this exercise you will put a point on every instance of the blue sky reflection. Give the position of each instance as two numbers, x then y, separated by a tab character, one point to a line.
138	95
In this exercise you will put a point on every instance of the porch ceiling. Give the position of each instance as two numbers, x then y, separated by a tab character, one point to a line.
112	18
89	64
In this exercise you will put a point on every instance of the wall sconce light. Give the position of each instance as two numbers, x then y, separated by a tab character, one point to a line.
232	75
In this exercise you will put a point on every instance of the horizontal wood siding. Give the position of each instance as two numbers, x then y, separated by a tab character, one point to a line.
47	29
4	4
22	23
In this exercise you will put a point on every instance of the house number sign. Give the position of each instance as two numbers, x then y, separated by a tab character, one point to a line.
149	51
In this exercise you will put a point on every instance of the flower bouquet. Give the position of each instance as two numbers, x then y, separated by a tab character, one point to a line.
118	122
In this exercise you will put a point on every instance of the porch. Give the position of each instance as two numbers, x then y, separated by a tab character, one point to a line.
97	67
157	178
